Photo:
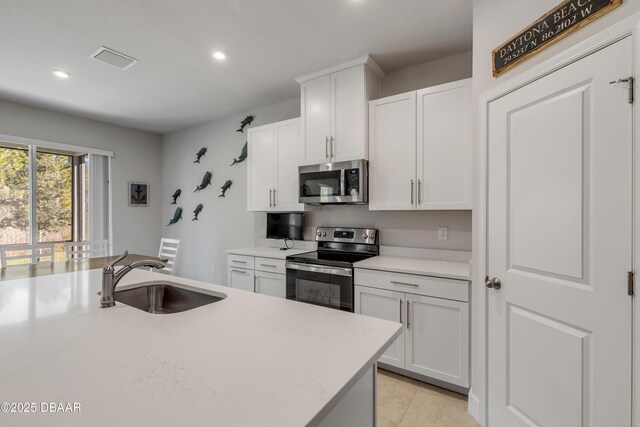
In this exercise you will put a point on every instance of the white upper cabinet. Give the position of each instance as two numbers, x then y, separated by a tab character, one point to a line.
272	168
286	188
420	149
392	152
349	102
334	112
260	168
444	146
316	111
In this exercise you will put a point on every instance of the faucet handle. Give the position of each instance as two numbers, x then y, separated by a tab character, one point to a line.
112	264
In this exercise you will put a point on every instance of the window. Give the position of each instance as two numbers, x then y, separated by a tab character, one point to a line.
58	210
14	195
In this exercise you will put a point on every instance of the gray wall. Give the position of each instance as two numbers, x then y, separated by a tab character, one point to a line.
225	223
494	21
136	158
444	70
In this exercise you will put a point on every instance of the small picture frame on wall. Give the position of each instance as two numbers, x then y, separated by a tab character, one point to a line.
138	193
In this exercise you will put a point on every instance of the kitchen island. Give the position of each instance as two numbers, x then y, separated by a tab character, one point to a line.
246	360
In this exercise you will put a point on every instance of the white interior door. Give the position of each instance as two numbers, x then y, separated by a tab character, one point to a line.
388	305
287	135
260	168
559	233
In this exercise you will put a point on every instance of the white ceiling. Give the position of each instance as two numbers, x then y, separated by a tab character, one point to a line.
177	83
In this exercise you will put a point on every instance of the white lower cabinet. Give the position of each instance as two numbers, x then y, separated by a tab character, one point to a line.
387	305
261	275
240	278
435	337
271	284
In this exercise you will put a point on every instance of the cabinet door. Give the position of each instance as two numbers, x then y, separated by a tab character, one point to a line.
348	118
386	305
271	284
240	278
316	120
444	146
438	338
392	152
287	136
260	168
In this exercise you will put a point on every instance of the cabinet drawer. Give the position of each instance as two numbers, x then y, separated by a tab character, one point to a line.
270	265
413	284
241	261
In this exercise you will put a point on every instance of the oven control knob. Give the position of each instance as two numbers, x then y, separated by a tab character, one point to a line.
319	233
324	234
364	236
372	236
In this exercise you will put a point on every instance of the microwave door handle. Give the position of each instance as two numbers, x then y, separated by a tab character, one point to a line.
343	185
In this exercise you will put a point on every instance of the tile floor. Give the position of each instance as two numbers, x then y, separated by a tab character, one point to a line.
404	402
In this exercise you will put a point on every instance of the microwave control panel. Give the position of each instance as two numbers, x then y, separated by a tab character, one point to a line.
352	181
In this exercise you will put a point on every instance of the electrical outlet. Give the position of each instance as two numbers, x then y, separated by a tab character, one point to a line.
443	233
213	270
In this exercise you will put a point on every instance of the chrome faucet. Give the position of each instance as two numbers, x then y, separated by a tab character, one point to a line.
110	277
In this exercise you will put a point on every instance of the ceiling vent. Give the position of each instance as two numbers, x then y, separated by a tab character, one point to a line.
113	58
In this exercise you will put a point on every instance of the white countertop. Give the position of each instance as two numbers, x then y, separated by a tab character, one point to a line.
247	360
427	267
266	252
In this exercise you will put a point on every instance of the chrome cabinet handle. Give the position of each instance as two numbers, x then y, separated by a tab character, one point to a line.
326	147
331	148
411	192
239	262
492	283
401	311
268	265
274	197
404	283
270	198
408	315
239	271
419	200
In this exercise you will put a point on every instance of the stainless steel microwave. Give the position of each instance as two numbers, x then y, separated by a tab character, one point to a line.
334	183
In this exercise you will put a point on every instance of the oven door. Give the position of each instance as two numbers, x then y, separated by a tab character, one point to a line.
321	186
320	285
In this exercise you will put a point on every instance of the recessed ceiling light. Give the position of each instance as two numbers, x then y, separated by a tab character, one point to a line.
61	74
218	54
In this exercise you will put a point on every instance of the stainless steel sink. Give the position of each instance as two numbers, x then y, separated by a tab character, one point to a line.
163	297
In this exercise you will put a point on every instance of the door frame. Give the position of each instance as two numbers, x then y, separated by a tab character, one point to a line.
628	27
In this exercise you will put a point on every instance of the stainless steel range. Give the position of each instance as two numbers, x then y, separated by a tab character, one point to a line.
325	277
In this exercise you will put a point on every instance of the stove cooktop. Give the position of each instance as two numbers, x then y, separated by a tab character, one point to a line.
341	259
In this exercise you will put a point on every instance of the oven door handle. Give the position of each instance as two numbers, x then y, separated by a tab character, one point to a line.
313	268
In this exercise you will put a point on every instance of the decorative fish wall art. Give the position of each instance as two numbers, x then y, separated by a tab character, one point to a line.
206	181
199	154
196	212
177	216
225	187
242	157
244	123
175	196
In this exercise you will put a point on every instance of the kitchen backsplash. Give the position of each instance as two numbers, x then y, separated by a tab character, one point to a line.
409	229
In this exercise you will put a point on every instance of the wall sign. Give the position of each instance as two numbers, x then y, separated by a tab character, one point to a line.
559	22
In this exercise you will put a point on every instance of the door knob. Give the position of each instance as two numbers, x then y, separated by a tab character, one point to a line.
492	283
